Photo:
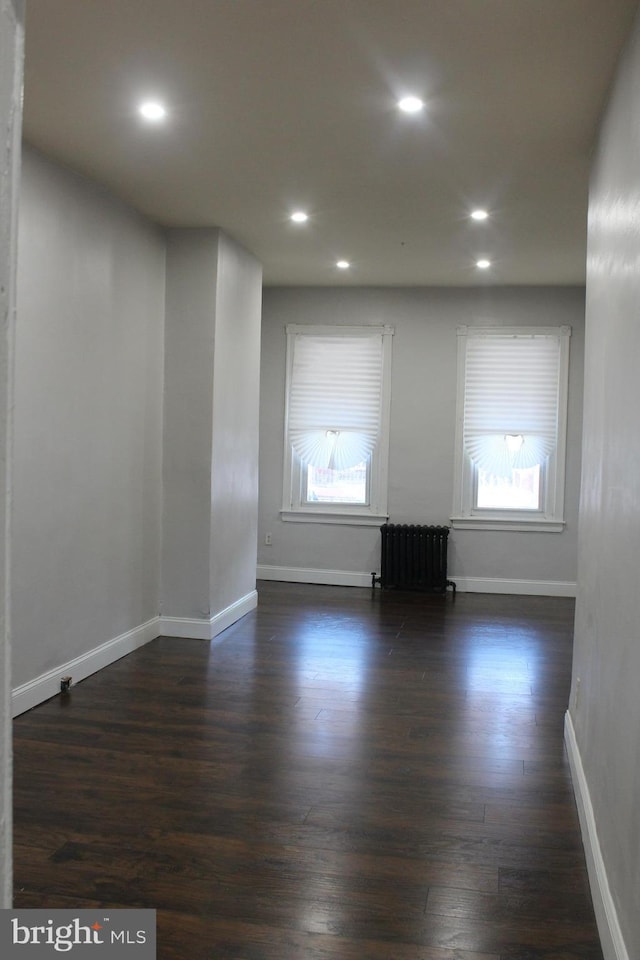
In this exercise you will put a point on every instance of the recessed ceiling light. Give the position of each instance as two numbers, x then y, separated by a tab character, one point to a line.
411	104
343	264
483	264
479	215
299	216
152	110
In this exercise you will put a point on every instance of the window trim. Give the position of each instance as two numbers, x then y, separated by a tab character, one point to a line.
294	508
550	518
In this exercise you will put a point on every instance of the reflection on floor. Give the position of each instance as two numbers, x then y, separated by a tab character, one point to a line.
342	775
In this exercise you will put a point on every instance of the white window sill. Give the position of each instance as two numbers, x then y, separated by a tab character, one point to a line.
328	516
535	524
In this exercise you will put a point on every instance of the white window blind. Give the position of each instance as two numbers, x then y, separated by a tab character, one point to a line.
335	397
511	390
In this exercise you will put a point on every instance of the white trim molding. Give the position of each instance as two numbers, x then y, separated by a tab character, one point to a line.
194	629
338	578
352	519
47	685
353	578
611	938
531	588
537	526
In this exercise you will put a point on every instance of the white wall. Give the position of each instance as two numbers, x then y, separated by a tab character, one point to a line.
423	401
11	60
604	722
88	419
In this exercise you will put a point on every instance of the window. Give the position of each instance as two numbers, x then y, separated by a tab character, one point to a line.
337	424
511	428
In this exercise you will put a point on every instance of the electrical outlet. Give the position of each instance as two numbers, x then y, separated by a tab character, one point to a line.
268	539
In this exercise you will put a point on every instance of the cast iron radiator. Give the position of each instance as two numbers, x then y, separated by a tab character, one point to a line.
414	558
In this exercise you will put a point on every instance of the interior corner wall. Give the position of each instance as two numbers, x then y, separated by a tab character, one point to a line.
236	399
88	420
605	706
11	68
423	411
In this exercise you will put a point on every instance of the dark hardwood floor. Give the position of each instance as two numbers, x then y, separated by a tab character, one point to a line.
339	776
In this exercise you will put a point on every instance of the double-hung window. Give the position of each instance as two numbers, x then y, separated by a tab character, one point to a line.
337	424
511	428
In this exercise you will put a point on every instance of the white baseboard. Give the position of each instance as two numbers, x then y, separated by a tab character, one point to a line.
338	578
47	685
612	941
532	588
348	578
194	629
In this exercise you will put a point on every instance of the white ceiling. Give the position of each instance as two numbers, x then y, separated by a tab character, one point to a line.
280	104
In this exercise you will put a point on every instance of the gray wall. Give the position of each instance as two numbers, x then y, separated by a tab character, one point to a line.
88	419
236	397
192	268
11	59
136	480
211	397
423	407
605	705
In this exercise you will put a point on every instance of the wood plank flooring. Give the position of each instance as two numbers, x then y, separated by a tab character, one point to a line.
342	775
